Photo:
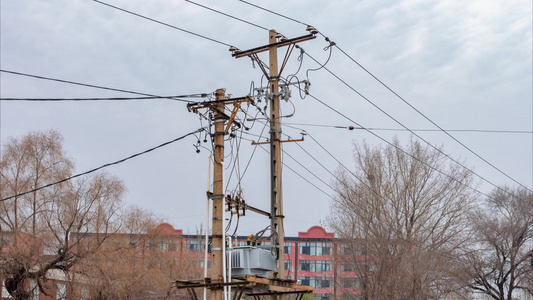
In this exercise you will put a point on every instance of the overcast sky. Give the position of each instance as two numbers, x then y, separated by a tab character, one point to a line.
466	65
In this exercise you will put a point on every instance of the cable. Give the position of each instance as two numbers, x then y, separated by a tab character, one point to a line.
162	23
106	165
316	176
391	144
321	65
301	176
431	121
401	129
82	84
401	124
227	15
273	12
397	95
251	156
175	98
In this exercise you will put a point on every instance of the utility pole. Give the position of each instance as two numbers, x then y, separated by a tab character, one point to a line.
276	192
218	195
273	75
223	124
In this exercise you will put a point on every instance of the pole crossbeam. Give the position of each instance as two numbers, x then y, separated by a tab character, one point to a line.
283	43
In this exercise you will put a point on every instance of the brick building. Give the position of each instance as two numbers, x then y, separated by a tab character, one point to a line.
313	258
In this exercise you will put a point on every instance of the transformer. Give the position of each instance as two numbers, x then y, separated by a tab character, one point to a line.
250	260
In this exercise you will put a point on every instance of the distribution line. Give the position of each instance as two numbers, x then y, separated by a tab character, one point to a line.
401	129
82	84
163	23
340	181
273	12
301	176
397	95
431	121
106	165
227	15
401	124
307	169
174	98
391	144
317	161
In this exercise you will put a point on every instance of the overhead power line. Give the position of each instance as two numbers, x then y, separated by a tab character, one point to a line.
273	12
227	15
405	127
174	98
402	129
83	84
431	121
300	175
163	23
397	95
391	144
106	165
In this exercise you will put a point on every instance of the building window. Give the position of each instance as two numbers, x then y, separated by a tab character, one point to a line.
164	246
174	246
134	243
316	282
345	249
150	245
315	265
350	283
240	243
315	249
195	245
356	250
288	249
323	296
288	265
347	266
61	293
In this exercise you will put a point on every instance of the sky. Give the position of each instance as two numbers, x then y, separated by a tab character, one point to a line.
465	66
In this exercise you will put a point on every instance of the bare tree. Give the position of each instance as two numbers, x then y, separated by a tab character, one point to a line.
140	261
402	214
501	264
41	223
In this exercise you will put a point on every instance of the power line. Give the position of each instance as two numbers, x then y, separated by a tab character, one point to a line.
401	124
106	165
82	84
227	15
273	12
397	95
310	172
174	98
163	23
401	129
301	176
391	144
431	121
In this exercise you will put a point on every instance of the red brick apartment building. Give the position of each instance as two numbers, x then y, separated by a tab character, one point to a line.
313	258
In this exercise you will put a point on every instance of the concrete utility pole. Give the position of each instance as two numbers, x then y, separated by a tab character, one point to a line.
217	270
276	192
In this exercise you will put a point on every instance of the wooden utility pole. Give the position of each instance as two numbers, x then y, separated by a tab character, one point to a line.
276	192
217	270
273	74
223	123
